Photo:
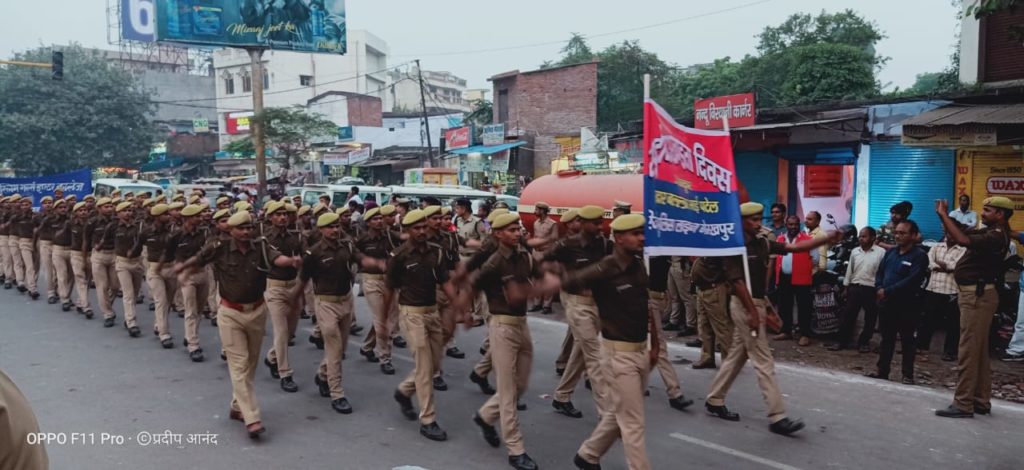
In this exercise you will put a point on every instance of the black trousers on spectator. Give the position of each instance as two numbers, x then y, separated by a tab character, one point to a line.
858	297
804	305
898	316
939	309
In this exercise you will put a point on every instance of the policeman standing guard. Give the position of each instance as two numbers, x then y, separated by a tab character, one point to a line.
417	268
747	307
160	275
506	278
183	245
976	275
241	265
378	242
280	281
127	247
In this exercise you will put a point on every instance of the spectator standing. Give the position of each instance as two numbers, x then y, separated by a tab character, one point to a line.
898	282
964	214
793	274
778	225
897	213
813	223
940	298
860	292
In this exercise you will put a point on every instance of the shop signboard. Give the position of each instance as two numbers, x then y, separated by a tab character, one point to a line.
200	125
493	134
345	134
238	122
710	113
499	161
335	159
473	162
952	136
317	26
359	155
457	138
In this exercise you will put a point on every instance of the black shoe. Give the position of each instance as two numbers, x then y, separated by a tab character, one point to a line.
864	349
1011	357
108	322
586	383
694	343
181	314
545	311
134	332
786	426
399	342
835	347
255	431
671	327
167	343
213	321
52	299
223	355
140	301
722	412
680	403
433	432
949	358
289	385
908	380
8	285
22	289
387	368
405	405
342	406
483	351
954	412
196	356
490	434
439	384
152	307
370	356
584	465
705	364
982	411
291	341
482	382
303	315
455	352
88	314
322	386
566	408
536	308
522	462
877	375
318	341
65	306
520	405
119	294
355	330
273	368
559	371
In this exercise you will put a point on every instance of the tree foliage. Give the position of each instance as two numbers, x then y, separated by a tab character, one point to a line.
291	132
98	115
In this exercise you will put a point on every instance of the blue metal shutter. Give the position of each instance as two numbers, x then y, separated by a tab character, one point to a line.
759	173
919	175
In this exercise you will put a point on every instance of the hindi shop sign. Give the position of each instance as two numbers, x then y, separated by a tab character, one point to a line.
709	113
691	192
239	122
493	134
456	138
78	182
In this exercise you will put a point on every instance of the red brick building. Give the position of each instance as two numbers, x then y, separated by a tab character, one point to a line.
541	105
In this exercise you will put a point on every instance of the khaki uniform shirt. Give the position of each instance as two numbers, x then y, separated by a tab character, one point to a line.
506	265
620	292
984	258
241	276
329	265
417	270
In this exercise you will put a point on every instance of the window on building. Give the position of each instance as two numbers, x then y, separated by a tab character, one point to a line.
503	105
229	85
305	80
266	79
246	84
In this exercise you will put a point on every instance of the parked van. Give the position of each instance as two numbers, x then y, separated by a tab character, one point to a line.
104	186
448	194
339	194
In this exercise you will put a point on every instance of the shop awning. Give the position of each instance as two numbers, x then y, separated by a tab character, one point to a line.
487	149
960	114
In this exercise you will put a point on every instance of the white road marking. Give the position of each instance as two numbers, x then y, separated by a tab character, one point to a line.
733	452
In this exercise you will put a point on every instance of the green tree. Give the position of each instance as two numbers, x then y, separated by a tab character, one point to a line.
291	132
576	51
98	115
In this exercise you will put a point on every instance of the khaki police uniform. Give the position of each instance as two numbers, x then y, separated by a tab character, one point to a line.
184	244
284	314
380	246
61	255
680	297
714	324
46	232
128	249
80	248
657	302
25	228
160	274
101	233
545	229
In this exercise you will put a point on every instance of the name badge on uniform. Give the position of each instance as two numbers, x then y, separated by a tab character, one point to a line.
907	263
326	260
410	266
623	287
582	260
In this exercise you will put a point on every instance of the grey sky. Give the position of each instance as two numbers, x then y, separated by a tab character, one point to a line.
920	33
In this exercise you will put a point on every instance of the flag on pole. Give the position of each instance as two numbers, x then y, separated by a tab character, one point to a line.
691	193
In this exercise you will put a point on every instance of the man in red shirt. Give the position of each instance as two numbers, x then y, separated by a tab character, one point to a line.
793	275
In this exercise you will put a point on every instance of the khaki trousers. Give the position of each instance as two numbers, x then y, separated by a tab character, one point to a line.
444	308
756	349
193	290
213	293
585	325
335	319
484	366
130	274
6	263
104	272
974	372
512	353
680	298
162	283
713	321
284	318
79	261
61	257
28	260
17	261
385	317
665	368
563	357
46	261
425	336
623	415
179	299
241	336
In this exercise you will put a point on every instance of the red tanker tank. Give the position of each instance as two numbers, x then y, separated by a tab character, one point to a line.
574	189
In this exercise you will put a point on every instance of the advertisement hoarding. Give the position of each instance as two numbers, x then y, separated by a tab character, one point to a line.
493	134
138	20
457	138
294	25
708	113
238	122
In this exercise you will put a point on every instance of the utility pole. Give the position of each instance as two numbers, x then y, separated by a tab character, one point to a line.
426	119
256	56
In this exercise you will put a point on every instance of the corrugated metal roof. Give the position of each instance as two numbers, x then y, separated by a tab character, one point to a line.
957	114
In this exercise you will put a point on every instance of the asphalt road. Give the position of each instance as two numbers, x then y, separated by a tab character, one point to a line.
98	382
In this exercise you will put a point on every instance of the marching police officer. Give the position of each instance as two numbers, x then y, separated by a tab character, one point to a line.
128	247
160	277
184	244
284	315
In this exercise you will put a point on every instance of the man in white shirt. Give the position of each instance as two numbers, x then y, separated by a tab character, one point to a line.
860	292
964	214
354	196
940	301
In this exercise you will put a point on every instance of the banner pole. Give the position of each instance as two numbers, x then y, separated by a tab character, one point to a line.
746	265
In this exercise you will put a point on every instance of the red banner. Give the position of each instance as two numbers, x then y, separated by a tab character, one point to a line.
457	138
709	113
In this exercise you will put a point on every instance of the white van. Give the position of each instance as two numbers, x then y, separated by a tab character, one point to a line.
104	186
339	194
448	194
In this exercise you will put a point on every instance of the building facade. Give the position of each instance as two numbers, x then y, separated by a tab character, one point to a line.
443	91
